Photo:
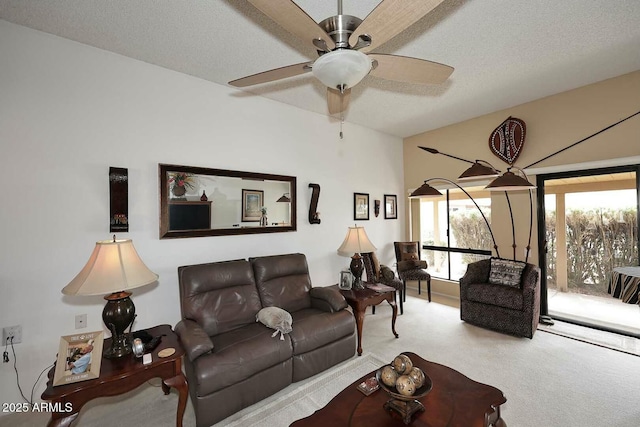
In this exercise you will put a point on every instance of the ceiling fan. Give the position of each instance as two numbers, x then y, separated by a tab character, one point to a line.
342	43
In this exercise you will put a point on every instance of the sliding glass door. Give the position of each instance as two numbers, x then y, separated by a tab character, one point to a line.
588	226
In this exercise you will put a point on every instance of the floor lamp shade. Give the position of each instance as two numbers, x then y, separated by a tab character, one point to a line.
113	269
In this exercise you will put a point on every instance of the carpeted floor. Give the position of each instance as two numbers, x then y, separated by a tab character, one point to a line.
548	381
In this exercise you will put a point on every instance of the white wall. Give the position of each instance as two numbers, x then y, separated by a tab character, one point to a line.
68	112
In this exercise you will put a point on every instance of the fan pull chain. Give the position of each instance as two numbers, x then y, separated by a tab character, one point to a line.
341	123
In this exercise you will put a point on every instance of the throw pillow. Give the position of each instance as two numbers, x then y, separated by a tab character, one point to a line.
275	318
405	256
408	251
411	264
506	272
376	266
386	274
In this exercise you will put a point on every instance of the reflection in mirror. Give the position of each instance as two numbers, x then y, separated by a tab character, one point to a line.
196	202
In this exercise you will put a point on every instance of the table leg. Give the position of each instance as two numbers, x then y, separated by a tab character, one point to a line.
359	315
395	314
179	383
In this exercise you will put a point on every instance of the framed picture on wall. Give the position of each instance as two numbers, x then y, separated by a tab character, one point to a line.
79	358
390	206
360	206
252	203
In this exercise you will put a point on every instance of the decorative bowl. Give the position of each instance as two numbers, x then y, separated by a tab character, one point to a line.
391	391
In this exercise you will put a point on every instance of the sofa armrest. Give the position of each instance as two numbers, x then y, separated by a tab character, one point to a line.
531	285
194	339
327	299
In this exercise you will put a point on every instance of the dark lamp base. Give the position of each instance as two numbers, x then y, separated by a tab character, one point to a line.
357	268
118	314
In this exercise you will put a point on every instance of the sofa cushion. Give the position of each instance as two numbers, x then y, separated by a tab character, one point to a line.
283	281
275	318
219	296
506	272
314	328
238	355
498	295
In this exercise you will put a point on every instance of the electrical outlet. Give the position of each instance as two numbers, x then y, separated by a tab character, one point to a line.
12	331
81	321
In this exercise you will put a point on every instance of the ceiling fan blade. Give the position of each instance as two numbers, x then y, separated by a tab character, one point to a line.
390	18
272	75
409	70
289	16
336	101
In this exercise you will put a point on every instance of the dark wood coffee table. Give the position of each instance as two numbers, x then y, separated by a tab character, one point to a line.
454	401
359	300
121	375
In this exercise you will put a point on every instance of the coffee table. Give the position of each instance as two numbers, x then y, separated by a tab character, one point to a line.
454	401
118	376
359	300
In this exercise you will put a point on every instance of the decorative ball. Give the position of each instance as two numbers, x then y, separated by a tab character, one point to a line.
417	376
388	376
402	364
405	385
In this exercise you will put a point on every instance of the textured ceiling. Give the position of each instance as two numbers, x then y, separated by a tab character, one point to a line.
504	52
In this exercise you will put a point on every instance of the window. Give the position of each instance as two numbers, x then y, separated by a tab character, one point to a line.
453	232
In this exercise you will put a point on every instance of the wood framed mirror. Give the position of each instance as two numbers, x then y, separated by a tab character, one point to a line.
199	202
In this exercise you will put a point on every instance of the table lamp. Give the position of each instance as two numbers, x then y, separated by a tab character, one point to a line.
356	242
114	268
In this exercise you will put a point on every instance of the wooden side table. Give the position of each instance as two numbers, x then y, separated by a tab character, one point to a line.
121	375
359	300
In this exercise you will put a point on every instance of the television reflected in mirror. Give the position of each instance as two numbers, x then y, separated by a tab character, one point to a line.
199	202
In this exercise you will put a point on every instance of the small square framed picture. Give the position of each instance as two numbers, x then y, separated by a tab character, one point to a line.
79	358
346	280
390	206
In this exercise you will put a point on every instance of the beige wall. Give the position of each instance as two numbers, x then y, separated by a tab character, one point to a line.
552	123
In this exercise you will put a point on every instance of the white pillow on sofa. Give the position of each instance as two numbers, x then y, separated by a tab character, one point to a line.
275	318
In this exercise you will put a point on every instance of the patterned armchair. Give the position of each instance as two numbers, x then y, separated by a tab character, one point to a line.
410	266
377	273
502	307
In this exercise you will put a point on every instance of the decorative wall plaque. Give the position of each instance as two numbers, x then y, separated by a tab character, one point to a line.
507	140
119	199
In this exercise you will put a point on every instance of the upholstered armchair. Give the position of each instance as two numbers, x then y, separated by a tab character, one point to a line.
410	266
377	273
489	300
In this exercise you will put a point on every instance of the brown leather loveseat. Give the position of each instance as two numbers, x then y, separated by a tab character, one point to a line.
231	360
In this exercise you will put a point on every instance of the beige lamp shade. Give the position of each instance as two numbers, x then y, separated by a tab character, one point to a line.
356	241
113	266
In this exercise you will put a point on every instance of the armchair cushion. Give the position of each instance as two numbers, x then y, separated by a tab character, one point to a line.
496	295
327	299
275	318
506	272
194	339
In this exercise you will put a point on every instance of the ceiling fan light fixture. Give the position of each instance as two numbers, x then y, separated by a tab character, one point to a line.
341	68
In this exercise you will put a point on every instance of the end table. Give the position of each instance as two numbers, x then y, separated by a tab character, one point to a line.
373	295
121	375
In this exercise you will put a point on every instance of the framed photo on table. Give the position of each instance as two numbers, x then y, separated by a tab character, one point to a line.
360	206
252	203
390	206
79	358
346	280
